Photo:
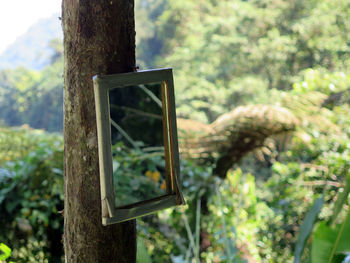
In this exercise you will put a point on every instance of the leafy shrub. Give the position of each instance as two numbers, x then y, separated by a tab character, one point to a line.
31	196
138	174
5	252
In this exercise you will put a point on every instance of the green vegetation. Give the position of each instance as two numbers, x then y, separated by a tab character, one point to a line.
34	97
285	201
228	53
5	252
31	195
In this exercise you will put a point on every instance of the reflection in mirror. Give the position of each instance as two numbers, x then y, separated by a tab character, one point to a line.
137	143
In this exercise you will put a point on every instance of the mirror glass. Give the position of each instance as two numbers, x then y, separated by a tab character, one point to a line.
137	143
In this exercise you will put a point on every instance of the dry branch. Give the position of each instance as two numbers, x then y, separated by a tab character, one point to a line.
233	134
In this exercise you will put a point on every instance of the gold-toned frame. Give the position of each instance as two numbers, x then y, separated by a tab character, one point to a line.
102	85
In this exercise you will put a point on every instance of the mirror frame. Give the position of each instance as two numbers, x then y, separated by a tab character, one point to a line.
102	85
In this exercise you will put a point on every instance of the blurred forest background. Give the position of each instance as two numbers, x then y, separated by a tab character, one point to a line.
262	89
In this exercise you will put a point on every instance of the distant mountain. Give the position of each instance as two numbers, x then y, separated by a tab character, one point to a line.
31	50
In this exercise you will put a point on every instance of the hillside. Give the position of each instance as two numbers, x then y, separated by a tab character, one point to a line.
32	49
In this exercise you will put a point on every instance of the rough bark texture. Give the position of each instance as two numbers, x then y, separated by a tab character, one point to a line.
99	38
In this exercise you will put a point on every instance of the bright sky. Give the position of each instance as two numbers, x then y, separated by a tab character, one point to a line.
16	16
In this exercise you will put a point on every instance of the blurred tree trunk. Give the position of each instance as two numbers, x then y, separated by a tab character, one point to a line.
99	38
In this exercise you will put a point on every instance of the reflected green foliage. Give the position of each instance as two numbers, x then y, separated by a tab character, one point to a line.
293	54
137	174
250	217
134	107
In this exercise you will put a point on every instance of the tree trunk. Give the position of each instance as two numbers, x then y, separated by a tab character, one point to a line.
99	38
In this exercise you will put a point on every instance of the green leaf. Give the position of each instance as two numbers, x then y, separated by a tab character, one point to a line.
5	250
306	228
142	255
327	241
322	243
342	197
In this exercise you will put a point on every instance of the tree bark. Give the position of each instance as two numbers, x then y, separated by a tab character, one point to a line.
99	38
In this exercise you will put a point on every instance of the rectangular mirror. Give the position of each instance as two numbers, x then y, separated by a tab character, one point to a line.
136	117
137	140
